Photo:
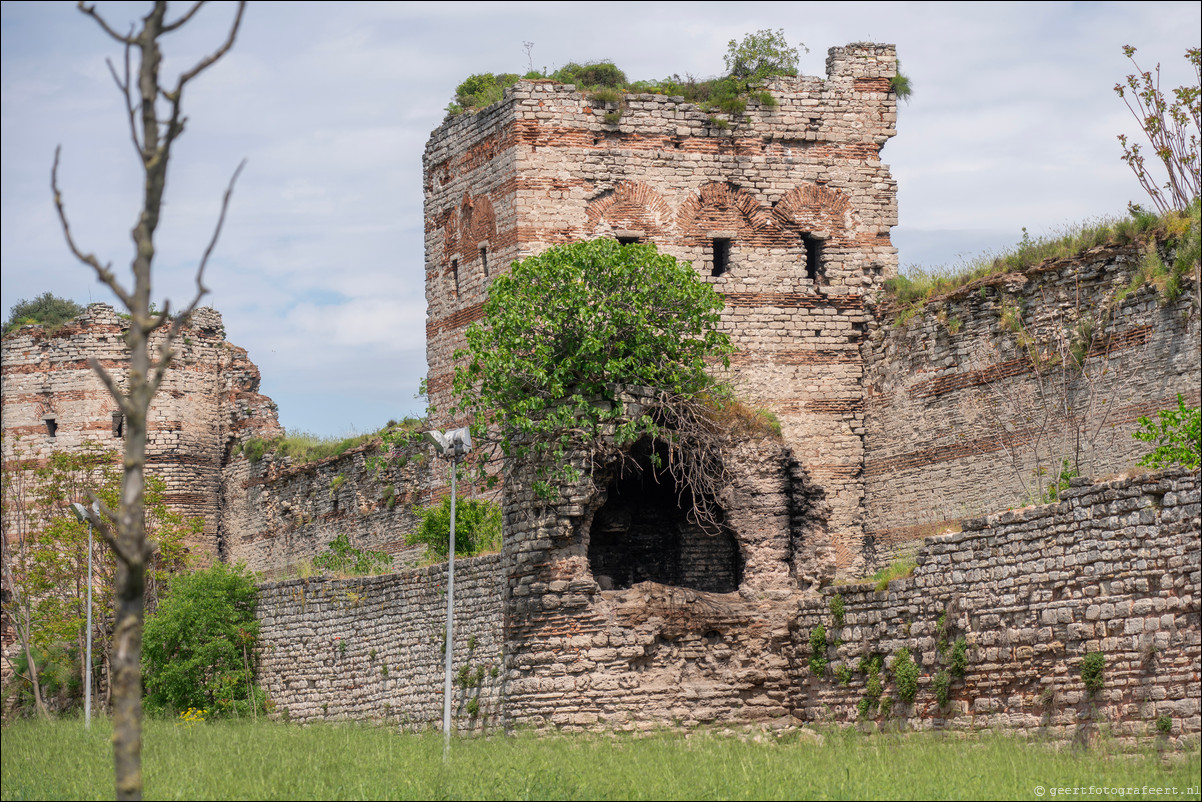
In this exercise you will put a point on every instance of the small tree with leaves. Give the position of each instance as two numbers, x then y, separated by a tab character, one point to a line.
565	331
47	309
1172	129
761	55
155	117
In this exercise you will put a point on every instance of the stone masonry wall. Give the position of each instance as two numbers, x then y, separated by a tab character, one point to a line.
372	648
1112	567
581	655
797	191
278	515
957	416
209	399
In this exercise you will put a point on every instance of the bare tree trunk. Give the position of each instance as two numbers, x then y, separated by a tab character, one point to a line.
152	138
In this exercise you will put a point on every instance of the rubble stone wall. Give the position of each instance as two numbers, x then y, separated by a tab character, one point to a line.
1112	567
278	516
372	648
960	421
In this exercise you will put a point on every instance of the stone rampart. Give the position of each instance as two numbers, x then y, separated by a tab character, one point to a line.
1112	567
278	515
983	390
372	648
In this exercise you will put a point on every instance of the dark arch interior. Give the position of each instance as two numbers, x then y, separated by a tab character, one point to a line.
643	534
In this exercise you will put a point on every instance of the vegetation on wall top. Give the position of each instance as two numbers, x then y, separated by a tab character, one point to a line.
47	309
1171	242
758	57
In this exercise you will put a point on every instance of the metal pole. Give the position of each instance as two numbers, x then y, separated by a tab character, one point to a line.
446	697
87	705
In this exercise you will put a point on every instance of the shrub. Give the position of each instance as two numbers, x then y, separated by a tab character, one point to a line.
47	309
761	55
477	528
942	686
591	76
837	610
198	649
905	675
1164	725
340	557
480	90
1178	435
843	674
959	660
1093	669
818	659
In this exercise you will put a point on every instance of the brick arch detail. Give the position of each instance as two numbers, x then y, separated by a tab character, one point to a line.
815	208
721	206
477	223
630	206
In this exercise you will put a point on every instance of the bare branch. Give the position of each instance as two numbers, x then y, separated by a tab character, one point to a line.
124	86
181	319
91	12
101	524
179	23
207	62
103	272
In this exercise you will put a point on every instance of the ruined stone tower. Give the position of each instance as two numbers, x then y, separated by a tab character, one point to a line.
785	210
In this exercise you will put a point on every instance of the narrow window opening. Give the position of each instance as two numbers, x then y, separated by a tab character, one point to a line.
51	422
118	424
455	277
813	248
627	240
721	257
484	259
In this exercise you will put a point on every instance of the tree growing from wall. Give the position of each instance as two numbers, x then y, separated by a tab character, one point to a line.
566	331
47	309
156	121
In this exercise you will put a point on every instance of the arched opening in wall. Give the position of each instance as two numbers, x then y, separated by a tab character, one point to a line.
642	533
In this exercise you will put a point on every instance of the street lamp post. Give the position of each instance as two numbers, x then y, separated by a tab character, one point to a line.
454	443
82	514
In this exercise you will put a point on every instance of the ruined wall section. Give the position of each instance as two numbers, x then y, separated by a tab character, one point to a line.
279	515
579	655
958	415
1112	567
372	648
797	192
208	400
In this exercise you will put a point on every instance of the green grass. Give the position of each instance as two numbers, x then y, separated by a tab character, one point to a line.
1177	232
234	760
304	447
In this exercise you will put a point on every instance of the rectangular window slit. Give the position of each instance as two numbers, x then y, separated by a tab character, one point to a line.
813	248
484	260
721	257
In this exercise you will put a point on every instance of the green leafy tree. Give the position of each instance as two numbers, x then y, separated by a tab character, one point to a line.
198	648
47	309
1172	129
477	528
761	55
46	560
1178	435
563	331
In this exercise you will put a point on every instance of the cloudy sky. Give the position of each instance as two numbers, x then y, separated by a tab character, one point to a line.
319	270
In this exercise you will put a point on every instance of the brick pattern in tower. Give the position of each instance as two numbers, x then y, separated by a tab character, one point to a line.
786	210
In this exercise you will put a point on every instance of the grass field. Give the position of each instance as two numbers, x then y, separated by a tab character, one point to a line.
236	760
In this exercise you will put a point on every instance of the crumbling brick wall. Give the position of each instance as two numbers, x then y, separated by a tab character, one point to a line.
955	421
209	400
795	198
